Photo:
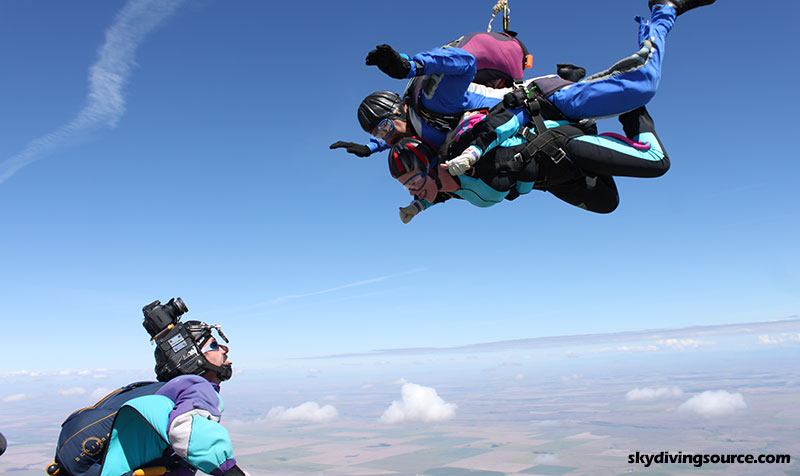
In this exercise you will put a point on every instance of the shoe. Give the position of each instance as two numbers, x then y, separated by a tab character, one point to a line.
681	6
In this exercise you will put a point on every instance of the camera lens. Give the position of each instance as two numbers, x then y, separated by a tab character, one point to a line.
176	307
180	306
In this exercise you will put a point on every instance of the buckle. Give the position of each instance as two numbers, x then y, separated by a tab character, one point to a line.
560	154
526	133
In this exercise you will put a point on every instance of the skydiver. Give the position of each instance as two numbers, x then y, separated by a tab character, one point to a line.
430	113
581	174
172	426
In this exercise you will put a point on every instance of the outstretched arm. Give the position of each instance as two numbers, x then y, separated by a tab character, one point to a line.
446	61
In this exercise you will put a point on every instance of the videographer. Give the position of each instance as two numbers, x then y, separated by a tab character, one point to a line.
168	427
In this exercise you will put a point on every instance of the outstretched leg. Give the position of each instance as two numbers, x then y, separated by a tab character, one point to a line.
680	6
594	193
628	84
643	155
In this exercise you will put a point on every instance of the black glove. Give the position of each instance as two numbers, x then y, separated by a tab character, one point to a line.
570	72
389	61
353	148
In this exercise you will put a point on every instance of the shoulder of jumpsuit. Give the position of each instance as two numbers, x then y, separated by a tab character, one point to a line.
445	61
190	393
376	145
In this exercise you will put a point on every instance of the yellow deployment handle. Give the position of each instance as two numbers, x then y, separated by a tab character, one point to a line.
154	471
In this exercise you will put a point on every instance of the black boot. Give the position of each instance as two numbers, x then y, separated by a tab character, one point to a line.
681	6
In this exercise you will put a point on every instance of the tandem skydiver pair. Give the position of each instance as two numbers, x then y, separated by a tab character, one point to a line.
569	159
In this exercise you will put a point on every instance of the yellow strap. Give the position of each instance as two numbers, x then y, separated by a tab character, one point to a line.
154	471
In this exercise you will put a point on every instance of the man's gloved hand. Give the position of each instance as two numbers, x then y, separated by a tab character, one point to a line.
352	147
389	61
463	162
410	211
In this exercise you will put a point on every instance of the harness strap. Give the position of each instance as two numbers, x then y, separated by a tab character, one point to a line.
440	121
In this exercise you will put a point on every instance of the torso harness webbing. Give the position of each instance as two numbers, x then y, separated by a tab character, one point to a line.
545	142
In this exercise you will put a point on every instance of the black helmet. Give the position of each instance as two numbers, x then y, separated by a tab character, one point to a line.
412	154
184	363
378	106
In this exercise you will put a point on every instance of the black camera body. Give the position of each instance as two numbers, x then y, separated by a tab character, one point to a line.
176	350
177	343
158	317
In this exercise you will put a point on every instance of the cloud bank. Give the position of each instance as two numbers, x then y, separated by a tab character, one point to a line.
645	394
711	404
308	411
108	76
19	397
766	339
418	403
680	339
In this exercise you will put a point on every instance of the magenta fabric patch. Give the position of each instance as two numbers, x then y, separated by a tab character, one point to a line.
636	145
496	51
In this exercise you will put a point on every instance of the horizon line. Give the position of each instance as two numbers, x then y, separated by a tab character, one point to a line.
792	322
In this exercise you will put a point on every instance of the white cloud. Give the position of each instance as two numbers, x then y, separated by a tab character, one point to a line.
519	377
766	339
653	393
714	403
108	76
19	397
308	411
548	458
72	392
418	404
84	373
682	344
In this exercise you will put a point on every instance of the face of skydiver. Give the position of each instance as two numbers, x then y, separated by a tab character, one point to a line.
419	184
216	354
391	130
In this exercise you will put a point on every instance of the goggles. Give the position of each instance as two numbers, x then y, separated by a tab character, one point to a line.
417	182
384	129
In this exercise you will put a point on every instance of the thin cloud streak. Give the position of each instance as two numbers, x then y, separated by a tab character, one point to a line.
334	289
108	76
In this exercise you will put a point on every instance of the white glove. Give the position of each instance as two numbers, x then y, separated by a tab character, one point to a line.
463	162
410	211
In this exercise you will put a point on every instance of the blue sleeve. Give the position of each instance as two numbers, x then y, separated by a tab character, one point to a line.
376	145
446	61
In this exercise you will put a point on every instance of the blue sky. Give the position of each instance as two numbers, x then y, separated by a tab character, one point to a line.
204	173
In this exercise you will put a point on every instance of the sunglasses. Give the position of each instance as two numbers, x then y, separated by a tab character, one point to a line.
211	346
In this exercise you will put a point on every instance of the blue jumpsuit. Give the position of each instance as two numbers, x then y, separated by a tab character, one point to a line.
628	84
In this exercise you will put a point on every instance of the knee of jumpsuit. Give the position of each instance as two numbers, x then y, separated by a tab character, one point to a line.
614	92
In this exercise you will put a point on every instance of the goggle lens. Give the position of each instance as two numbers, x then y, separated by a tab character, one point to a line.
384	129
